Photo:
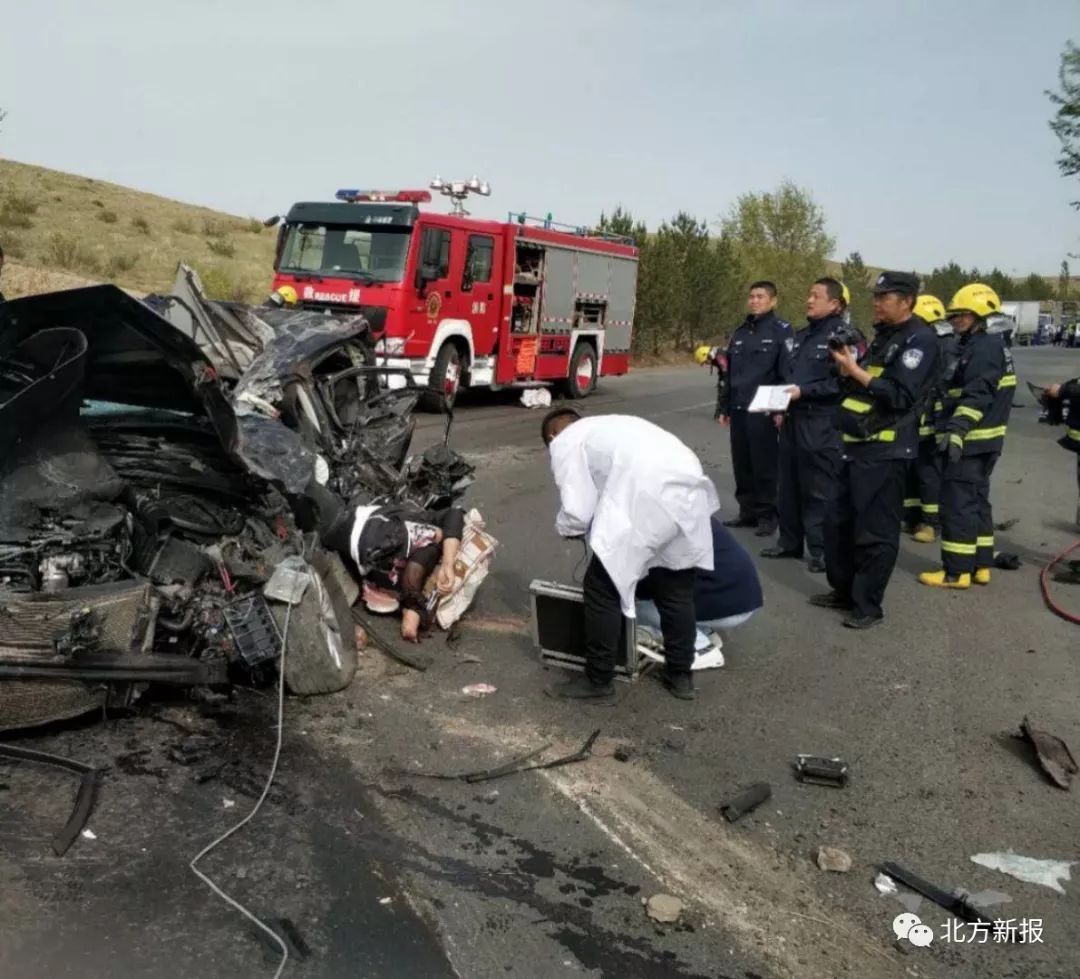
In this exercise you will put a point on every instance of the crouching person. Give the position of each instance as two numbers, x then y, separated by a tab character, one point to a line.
724	598
641	499
394	549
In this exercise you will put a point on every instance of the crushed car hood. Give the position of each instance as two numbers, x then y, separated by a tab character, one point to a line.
111	347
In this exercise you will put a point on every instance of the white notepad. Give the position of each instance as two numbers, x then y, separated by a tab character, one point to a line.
770	398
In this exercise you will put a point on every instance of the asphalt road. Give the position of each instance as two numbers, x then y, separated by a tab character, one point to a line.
387	873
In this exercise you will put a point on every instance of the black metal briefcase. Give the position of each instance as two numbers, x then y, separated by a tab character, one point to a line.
558	621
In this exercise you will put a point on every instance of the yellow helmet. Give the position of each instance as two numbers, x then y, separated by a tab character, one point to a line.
929	308
975	298
845	292
288	295
702	354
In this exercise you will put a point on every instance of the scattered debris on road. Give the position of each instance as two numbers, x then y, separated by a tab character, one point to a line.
90	779
536	398
816	770
1053	754
478	690
515	765
664	908
1007	561
833	859
958	902
1007	524
885	884
746	801
1046	873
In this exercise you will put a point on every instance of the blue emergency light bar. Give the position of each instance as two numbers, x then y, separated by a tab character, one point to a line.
382	196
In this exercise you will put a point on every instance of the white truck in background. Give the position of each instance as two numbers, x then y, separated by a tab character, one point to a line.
1026	317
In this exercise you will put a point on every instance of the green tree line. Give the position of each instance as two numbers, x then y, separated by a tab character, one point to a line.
693	278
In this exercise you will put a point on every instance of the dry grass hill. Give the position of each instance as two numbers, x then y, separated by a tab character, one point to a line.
59	231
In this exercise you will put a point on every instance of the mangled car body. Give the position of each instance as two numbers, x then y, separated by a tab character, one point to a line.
153	462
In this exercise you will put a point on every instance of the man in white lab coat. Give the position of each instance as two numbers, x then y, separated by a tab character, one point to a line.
640	497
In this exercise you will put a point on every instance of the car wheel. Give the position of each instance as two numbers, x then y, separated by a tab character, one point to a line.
320	656
446	378
582	377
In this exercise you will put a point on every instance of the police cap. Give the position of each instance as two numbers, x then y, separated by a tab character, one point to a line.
903	283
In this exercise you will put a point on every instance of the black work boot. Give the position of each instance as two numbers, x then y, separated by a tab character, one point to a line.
581	688
857	621
680	685
778	551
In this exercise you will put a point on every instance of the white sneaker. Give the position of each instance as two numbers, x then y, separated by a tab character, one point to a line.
709	659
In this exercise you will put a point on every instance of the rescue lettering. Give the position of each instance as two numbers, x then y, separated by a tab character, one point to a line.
352	296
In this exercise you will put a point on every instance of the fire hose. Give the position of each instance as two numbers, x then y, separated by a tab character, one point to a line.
1044	579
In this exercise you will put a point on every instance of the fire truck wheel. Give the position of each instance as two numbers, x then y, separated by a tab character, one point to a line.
446	376
582	377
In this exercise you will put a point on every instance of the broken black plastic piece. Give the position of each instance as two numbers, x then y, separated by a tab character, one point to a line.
955	903
516	765
821	771
84	799
746	801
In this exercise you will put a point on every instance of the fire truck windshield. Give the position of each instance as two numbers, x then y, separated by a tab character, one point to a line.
346	252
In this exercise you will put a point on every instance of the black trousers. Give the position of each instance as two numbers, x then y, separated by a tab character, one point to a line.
809	463
754	451
967	520
673	593
862	532
922	499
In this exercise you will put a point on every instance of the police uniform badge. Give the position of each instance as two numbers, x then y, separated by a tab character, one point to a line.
912	358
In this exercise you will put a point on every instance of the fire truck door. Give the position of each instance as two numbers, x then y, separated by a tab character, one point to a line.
481	287
435	289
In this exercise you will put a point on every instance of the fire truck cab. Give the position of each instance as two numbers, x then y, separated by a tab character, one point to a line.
464	302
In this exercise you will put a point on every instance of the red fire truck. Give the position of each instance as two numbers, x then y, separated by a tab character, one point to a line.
461	301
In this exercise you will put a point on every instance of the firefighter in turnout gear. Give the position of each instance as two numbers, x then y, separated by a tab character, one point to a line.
753	358
922	505
884	396
1062	403
978	399
809	436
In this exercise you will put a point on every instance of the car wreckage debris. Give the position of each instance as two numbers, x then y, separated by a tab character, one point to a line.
90	779
514	766
154	459
958	903
1052	753
821	771
746	801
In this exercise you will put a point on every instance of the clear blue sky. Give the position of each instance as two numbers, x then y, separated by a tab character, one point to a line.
919	126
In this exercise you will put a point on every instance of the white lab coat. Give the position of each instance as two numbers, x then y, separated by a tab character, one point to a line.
638	493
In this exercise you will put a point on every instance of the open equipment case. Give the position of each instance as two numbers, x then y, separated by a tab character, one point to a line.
558	622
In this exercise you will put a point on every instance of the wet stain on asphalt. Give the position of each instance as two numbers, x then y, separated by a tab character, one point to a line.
612	953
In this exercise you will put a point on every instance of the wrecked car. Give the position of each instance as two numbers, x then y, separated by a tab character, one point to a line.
154	457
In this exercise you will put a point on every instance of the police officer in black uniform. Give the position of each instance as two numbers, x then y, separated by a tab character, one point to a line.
753	358
884	396
809	436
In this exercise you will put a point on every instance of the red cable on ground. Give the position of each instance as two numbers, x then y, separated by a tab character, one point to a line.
1044	579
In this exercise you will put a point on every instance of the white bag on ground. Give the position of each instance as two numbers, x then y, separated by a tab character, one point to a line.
470	569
